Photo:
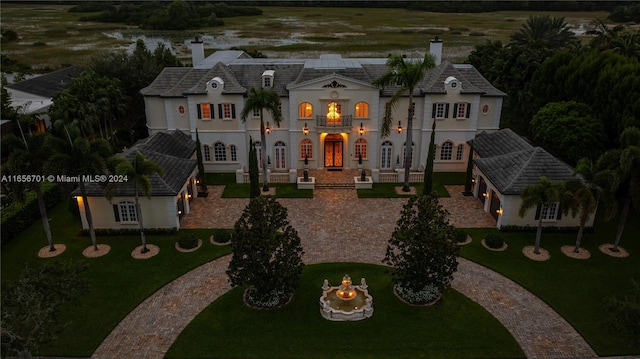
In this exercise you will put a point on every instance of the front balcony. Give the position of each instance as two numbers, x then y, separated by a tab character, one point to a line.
344	122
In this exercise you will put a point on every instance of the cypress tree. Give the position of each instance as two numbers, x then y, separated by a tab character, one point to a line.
203	185
467	182
428	171
254	176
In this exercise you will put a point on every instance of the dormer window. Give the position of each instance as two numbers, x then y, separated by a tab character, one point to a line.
452	83
216	83
267	78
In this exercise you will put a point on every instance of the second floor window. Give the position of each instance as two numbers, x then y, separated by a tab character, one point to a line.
461	110
204	111
305	110
440	110
362	109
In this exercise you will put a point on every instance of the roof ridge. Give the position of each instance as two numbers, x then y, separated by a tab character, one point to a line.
524	165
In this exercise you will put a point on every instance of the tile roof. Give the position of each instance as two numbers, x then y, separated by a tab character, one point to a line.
499	143
511	164
47	85
171	151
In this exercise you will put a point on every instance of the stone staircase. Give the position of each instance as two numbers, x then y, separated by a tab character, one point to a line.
335	186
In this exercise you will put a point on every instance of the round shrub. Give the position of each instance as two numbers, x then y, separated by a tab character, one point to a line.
187	242
461	235
493	241
221	236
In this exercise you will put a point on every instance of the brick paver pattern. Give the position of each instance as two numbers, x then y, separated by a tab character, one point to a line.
336	226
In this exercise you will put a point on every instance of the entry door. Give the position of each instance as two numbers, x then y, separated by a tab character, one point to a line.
280	155
482	187
333	151
494	206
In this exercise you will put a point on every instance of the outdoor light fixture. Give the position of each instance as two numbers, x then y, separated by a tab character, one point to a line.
267	128
305	129
499	211
485	194
399	127
361	129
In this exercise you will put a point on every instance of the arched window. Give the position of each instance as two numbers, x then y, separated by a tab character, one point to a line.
459	152
445	151
361	148
306	148
362	109
219	152
207	152
305	110
259	152
234	153
387	149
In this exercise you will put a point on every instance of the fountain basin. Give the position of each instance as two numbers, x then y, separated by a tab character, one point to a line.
335	308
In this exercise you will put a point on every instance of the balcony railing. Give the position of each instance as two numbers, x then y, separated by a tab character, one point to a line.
344	121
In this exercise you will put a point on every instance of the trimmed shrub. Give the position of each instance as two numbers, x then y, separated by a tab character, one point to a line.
222	235
461	235
187	242
494	241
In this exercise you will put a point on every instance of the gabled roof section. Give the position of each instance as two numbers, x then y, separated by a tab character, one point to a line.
325	76
182	81
510	173
47	85
250	75
171	151
434	81
231	84
499	143
474	77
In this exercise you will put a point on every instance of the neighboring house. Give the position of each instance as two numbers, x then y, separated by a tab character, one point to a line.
35	96
170	194
505	164
332	112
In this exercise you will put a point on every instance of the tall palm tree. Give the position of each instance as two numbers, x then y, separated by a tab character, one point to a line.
28	156
406	73
623	167
587	193
80	158
137	171
259	99
544	31
539	195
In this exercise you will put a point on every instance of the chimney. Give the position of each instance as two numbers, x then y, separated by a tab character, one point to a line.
435	49
197	51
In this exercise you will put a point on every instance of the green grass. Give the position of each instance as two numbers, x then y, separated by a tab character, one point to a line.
283	190
388	190
455	328
118	283
213	179
574	288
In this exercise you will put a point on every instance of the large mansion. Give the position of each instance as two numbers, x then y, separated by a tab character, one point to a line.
331	111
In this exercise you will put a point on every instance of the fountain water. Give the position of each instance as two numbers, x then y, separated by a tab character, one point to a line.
346	302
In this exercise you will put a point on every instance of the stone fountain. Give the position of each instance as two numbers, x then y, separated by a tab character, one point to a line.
346	302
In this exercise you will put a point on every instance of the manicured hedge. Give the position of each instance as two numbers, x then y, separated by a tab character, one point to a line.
19	215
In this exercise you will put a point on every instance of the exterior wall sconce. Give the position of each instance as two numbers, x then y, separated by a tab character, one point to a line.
399	127
485	194
361	129
189	196
267	128
305	129
499	211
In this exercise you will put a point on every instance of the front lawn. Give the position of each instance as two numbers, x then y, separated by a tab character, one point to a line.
455	328
574	288
388	190
283	190
118	283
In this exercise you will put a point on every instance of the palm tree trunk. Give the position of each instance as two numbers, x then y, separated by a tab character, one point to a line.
623	220
45	218
536	248
408	147
141	225
263	145
87	213
580	231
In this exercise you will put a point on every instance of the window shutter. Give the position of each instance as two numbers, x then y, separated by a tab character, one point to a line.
233	110
559	213
455	110
433	111
212	111
468	110
538	209
116	213
220	110
446	111
199	112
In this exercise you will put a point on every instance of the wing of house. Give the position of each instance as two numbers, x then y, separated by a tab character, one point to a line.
170	193
504	165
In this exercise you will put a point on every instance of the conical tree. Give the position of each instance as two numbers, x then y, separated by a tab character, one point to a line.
468	182
201	174
428	170
261	100
137	171
254	176
407	74
422	250
267	253
539	195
